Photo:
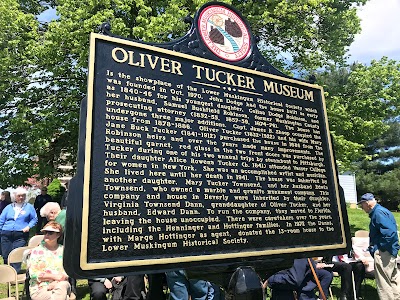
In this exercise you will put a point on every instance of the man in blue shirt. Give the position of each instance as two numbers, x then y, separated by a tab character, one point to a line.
384	246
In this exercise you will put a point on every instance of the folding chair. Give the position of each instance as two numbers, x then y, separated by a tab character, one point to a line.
336	274
17	256
9	276
35	240
361	233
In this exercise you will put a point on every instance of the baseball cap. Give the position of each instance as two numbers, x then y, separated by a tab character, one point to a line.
366	197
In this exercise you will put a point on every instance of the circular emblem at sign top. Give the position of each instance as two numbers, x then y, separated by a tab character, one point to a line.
224	33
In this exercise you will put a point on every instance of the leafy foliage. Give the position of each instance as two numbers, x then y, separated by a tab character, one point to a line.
383	186
359	101
56	190
381	171
17	38
384	152
363	104
311	33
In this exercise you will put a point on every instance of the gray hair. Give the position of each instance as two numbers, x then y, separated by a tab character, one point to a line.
19	191
48	207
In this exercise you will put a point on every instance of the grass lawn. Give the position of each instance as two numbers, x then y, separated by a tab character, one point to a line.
358	221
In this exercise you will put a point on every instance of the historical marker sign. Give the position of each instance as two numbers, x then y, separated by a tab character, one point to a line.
193	160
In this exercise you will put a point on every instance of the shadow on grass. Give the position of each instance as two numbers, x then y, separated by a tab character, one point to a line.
368	290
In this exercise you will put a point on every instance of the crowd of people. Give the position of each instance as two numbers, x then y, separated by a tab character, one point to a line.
48	279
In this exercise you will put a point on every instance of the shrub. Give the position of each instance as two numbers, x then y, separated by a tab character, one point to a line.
56	190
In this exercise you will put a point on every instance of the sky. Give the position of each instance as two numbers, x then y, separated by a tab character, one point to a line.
380	35
47	15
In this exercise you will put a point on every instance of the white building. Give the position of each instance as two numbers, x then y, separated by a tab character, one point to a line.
348	183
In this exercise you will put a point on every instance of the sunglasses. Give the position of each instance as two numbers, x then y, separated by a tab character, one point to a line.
49	232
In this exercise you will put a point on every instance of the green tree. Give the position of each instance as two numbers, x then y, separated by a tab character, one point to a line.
310	33
56	190
45	79
360	100
383	186
379	173
383	152
18	36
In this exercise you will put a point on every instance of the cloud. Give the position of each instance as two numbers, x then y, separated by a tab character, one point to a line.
380	35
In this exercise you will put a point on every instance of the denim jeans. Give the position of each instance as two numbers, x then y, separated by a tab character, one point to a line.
11	240
181	287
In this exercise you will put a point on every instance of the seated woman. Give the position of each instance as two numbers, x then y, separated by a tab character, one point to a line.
53	212
48	279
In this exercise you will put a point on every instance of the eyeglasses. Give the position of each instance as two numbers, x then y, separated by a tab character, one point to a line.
49	232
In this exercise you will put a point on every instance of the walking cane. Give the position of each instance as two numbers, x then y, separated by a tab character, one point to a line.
321	292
